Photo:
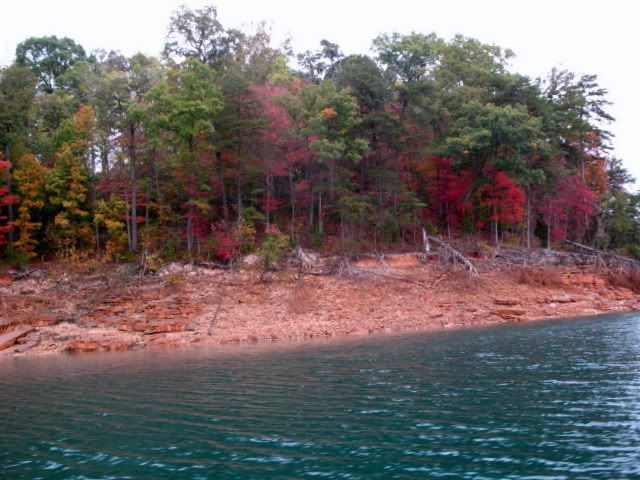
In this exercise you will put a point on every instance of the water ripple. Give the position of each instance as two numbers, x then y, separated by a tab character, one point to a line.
541	401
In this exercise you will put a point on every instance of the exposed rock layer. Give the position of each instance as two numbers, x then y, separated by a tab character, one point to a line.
187	304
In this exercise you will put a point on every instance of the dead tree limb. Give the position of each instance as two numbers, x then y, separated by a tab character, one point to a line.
601	256
456	255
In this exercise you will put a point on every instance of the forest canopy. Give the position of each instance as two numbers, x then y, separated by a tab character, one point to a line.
228	144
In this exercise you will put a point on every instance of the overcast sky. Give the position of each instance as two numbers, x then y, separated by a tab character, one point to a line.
583	36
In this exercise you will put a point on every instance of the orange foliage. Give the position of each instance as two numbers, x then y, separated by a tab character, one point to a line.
328	113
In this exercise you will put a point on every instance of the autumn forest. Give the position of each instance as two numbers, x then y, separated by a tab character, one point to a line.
226	144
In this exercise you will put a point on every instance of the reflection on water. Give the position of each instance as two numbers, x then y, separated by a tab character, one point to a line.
547	400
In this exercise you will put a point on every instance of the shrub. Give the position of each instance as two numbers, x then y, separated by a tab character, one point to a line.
244	235
223	245
16	257
274	246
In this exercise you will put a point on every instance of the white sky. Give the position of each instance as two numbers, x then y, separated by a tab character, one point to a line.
583	36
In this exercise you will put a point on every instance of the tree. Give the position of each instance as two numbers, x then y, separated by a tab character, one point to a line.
199	34
17	93
568	209
227	138
5	199
449	191
185	105
48	58
123	110
410	62
67	185
30	178
330	117
110	214
504	199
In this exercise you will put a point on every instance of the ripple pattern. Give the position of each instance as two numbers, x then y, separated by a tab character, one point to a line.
558	400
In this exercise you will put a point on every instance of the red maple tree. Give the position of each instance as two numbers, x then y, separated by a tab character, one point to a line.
504	197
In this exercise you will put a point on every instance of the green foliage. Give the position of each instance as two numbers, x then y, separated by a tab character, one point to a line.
390	229
110	214
67	186
351	152
16	257
48	58
316	238
252	216
17	93
200	35
274	246
186	103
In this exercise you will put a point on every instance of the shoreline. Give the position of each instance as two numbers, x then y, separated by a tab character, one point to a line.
285	345
188	305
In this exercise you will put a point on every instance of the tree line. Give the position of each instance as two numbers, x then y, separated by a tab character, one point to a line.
226	144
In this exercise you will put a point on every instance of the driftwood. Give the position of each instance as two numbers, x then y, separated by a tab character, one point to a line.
607	259
343	267
539	258
450	253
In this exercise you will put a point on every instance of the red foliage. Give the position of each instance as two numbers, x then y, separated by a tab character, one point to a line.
5	200
201	226
225	246
449	190
269	204
504	196
570	208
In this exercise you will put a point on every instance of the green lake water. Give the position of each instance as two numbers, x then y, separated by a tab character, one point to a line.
550	400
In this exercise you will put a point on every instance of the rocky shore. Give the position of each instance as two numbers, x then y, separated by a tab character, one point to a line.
45	312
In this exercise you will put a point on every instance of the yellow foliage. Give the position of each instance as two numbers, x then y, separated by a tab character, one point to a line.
110	214
30	179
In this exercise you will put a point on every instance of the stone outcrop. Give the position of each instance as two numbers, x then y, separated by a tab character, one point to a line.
506	301
9	338
98	345
200	304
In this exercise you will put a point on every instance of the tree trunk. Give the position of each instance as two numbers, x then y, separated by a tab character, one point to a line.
292	191
96	228
239	196
190	210
154	174
320	212
529	216
311	206
495	226
268	181
133	243
104	157
10	216
223	188
128	223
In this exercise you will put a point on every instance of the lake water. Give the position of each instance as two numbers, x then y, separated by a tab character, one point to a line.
546	400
